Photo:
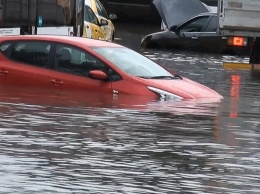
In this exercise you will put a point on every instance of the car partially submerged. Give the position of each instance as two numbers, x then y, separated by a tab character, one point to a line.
87	65
192	25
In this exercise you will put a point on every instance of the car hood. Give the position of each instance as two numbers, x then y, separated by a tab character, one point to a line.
174	12
184	87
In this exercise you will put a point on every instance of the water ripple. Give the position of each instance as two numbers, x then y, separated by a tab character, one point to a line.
163	148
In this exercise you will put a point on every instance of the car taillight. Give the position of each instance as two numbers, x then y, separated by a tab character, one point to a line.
237	41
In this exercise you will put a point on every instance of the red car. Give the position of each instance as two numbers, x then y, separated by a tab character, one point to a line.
87	65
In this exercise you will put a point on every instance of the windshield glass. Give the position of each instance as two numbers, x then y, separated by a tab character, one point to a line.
132	62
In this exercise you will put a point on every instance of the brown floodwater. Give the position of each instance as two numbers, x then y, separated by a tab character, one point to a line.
98	144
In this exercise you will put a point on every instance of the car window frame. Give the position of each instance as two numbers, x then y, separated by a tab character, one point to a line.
102	9
14	43
88	10
192	20
211	19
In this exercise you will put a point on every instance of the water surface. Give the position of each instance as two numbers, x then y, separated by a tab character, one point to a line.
154	147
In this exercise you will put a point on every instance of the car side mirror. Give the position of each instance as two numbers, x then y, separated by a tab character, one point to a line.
173	28
103	22
112	16
178	31
98	74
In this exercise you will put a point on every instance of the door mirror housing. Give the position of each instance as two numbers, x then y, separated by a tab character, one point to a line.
112	16
98	74
177	30
103	22
173	28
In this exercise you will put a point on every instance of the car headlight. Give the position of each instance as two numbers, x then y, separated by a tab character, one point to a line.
163	95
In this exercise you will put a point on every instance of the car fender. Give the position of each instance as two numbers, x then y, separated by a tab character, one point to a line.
157	38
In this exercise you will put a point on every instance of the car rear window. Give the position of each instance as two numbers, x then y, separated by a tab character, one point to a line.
32	52
4	48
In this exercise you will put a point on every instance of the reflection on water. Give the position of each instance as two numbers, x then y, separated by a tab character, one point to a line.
66	146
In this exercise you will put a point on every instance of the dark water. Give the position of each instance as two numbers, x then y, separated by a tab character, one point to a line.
155	147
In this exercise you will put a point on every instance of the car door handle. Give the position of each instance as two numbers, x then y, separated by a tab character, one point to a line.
3	72
194	37
56	82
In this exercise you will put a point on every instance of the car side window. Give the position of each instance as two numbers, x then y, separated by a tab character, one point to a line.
195	25
90	16
72	60
86	15
213	24
101	10
5	49
32	52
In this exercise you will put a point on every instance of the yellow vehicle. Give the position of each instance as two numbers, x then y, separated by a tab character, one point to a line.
92	26
50	17
101	14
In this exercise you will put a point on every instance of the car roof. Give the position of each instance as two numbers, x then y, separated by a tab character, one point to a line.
201	14
63	39
206	14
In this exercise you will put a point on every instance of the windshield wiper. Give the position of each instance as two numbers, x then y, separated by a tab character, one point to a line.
162	77
166	77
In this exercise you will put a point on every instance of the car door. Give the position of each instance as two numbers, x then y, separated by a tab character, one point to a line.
71	71
92	27
25	63
210	40
189	32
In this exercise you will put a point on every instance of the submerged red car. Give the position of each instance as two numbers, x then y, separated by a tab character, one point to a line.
87	65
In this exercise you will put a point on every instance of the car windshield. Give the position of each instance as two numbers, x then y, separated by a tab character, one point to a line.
132	62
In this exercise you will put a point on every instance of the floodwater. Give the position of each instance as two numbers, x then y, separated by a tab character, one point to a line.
150	147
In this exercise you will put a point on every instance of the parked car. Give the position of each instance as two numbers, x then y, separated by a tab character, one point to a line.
101	13
88	65
92	26
197	33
